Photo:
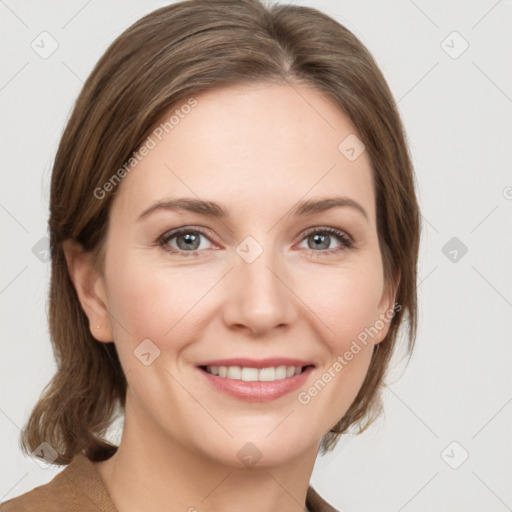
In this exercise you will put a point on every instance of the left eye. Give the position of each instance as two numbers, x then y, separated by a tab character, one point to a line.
321	238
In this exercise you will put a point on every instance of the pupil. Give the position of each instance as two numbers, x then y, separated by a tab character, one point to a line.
187	241
319	239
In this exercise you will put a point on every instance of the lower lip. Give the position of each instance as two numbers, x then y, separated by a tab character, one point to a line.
257	391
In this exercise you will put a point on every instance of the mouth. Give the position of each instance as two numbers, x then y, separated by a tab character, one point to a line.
256	381
253	374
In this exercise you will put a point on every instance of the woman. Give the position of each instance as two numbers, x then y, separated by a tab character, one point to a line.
234	236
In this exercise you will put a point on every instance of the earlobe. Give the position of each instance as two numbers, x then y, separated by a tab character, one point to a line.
90	288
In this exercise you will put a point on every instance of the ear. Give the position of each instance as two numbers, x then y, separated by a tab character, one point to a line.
387	309
90	288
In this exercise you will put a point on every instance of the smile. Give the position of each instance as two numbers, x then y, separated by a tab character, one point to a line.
256	384
249	374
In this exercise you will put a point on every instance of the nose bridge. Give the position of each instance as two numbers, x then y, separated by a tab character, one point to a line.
260	299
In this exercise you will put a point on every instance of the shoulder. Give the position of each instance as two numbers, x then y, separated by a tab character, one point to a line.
314	502
78	488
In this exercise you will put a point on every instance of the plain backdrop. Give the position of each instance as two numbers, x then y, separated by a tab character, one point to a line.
444	442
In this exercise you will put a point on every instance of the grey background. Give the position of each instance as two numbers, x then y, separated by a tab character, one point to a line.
458	116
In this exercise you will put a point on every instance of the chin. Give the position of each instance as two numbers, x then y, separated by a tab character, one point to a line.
259	451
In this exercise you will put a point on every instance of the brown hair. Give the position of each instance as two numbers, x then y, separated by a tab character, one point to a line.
165	57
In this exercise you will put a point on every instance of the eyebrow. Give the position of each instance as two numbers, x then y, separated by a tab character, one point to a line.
212	209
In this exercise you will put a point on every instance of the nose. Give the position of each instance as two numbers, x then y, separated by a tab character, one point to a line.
259	296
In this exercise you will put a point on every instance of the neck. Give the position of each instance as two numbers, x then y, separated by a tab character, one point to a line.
154	471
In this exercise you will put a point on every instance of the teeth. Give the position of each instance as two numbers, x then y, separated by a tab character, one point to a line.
234	372
267	374
248	374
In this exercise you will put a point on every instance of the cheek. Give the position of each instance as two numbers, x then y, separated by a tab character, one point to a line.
148	301
357	308
347	317
346	300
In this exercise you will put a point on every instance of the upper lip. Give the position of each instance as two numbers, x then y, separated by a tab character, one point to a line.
258	363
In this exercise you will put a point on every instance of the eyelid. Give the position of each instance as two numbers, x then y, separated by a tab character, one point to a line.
172	233
345	239
328	229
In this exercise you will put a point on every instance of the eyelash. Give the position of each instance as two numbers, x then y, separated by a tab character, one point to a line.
343	238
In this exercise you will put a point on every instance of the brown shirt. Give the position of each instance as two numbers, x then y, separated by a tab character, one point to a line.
80	488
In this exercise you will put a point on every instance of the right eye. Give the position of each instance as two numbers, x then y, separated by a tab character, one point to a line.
186	240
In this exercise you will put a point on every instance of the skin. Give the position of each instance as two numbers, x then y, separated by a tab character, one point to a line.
257	150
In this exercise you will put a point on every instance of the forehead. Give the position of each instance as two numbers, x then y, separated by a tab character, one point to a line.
251	145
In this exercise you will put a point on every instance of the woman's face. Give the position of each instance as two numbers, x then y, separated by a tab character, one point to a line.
266	280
